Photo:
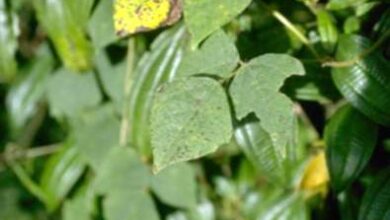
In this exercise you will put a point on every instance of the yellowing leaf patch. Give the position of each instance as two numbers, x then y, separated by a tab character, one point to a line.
316	175
133	16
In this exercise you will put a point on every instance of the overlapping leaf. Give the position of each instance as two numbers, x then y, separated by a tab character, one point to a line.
103	126
217	56
255	89
258	147
157	66
60	175
24	97
70	93
123	180
350	138
365	82
190	118
65	22
203	17
101	25
176	186
376	200
8	41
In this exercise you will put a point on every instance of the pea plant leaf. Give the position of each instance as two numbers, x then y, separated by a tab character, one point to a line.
165	183
217	56
203	17
94	150
121	170
129	205
63	101
112	76
190	118
155	67
80	206
101	25
123	180
255	89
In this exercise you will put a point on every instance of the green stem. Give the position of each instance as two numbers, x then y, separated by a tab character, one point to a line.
32	127
28	183
347	63
291	27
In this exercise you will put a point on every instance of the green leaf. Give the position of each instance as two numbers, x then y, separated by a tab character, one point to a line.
24	96
79	11
97	135
255	89
259	149
376	200
69	93
129	205
350	138
351	25
65	22
10	208
82	205
190	118
217	56
76	209
203	17
327	29
348	204
383	24
101	25
121	171
112	76
60	174
342	4
123	180
8	40
176	186
366	83
316	85
291	207
157	66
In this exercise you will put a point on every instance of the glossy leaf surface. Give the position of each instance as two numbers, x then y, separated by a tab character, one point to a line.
350	138
366	82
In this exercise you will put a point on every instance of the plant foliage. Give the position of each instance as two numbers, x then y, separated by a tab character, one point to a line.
194	109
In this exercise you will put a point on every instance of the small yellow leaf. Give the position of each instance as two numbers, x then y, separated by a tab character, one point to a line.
316	176
133	16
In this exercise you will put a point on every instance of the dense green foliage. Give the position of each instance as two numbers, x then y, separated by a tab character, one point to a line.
244	109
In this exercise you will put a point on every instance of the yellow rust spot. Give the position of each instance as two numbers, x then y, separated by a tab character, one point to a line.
132	16
316	177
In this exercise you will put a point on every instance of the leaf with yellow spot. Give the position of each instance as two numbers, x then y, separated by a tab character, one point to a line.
133	16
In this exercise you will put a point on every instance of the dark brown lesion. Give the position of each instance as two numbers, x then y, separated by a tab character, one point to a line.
174	12
121	33
138	11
